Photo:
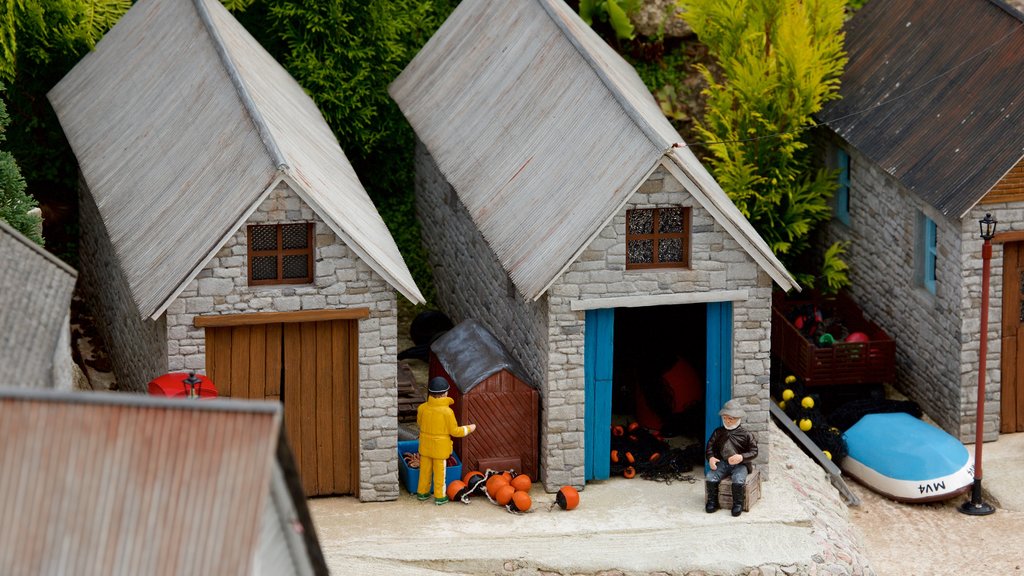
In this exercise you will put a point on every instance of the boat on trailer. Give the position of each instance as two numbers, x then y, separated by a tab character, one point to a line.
907	459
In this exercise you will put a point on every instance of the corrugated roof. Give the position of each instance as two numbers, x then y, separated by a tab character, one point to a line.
35	299
544	132
182	124
470	354
934	94
114	483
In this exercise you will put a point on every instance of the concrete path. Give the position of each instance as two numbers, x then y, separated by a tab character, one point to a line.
621	527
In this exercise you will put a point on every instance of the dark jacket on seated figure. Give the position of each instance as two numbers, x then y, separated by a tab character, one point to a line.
725	443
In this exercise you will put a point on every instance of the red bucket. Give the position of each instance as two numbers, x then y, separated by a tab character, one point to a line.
176	385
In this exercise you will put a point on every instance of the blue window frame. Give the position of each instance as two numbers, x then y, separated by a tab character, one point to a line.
843	187
929	253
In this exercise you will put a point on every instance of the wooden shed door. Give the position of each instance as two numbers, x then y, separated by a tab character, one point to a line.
1012	350
313	368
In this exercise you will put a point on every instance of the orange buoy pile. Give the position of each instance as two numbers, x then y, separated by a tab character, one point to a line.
506	488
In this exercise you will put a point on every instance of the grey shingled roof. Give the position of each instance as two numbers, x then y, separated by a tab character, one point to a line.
545	133
182	123
35	299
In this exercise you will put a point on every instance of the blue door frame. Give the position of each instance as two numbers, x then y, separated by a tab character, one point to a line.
599	347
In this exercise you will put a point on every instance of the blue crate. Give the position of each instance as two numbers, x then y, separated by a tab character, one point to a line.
410	477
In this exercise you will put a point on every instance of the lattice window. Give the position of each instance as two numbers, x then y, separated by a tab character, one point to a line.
281	254
658	238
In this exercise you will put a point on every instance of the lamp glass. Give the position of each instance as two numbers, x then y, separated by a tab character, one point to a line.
987	227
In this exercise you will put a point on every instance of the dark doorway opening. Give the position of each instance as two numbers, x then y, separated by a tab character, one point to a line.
659	370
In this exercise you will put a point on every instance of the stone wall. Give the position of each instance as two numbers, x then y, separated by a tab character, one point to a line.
928	330
547	337
138	346
469	279
1010	217
341	280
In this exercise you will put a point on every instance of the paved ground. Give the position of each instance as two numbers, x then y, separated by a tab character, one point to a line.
621	527
633	527
936	539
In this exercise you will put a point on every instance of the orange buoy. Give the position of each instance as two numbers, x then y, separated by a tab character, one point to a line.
633	426
522	482
615	456
472	477
629	457
654	457
521	502
507	475
629	472
567	498
494	483
617	431
504	495
455	489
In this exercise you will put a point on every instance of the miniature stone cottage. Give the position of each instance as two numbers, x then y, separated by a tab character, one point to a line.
926	147
562	210
224	230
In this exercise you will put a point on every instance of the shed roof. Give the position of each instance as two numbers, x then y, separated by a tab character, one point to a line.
934	94
114	483
182	123
35	299
545	133
470	354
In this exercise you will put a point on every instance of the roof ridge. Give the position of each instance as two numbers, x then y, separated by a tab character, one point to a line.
40	250
243	92
612	86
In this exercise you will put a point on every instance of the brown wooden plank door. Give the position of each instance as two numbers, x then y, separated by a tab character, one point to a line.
1011	410
313	368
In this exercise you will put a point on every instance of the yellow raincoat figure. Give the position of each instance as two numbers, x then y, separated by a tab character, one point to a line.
437	425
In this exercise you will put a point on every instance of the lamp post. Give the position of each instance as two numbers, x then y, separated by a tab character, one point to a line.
975	506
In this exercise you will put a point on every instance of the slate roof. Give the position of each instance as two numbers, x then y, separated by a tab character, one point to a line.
934	94
470	354
182	124
35	300
545	133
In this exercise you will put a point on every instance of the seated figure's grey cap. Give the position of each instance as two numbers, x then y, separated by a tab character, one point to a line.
732	409
437	385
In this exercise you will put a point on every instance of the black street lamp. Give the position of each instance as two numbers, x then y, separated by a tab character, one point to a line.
975	507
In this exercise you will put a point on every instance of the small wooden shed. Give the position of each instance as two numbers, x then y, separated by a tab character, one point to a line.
490	390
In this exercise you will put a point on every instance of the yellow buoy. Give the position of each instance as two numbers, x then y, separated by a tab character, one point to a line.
790	379
805	424
782	404
787	394
827	454
807	402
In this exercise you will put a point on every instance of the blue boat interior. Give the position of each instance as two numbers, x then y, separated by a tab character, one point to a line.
900	446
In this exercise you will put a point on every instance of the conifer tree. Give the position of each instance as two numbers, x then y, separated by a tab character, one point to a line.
14	203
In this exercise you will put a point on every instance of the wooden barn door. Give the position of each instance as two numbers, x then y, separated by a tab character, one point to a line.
1012	351
313	368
